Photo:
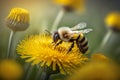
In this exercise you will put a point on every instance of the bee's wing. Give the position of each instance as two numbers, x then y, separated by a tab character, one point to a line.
85	31
79	26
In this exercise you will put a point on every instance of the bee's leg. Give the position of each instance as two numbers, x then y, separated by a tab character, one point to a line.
52	43
72	45
58	43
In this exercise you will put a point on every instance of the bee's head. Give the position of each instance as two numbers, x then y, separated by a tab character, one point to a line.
55	36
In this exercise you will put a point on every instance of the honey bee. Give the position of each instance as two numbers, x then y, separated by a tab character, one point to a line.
73	35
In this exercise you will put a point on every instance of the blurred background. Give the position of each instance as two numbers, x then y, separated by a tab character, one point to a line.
44	12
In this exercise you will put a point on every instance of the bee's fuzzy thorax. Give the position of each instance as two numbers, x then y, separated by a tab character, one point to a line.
65	31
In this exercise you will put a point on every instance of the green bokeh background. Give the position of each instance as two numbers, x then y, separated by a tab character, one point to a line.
43	14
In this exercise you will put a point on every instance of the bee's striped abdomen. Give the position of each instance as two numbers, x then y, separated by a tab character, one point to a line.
82	43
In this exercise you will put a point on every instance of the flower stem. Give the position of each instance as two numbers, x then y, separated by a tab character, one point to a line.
106	38
45	75
29	73
10	43
38	72
58	19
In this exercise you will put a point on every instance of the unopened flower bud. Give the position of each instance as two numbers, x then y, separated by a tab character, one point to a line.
113	21
18	19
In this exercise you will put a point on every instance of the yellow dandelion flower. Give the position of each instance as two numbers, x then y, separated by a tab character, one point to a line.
113	21
39	50
70	5
99	57
18	19
96	71
10	70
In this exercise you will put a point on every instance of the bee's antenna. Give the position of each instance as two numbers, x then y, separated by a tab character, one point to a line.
48	31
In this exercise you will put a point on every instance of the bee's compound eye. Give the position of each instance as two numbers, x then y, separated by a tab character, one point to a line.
55	37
